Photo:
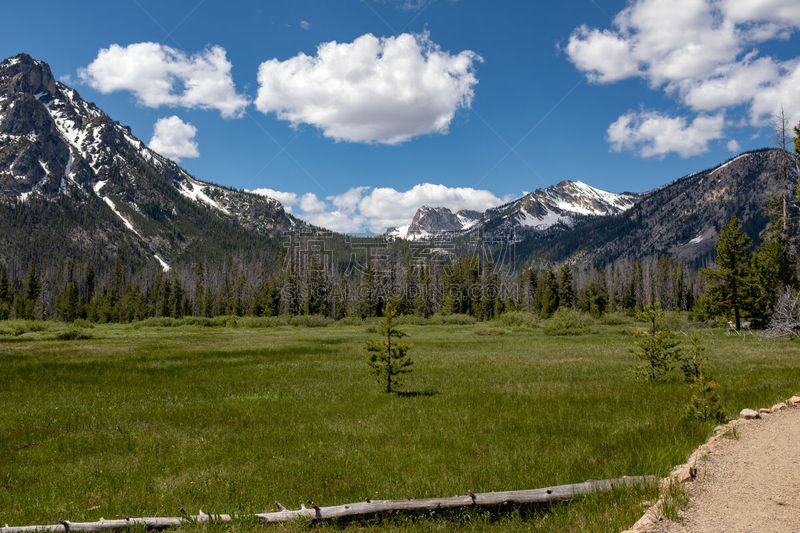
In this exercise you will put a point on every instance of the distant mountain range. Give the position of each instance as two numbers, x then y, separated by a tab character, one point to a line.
559	205
76	184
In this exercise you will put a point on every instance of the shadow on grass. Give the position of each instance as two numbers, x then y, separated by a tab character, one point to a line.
415	393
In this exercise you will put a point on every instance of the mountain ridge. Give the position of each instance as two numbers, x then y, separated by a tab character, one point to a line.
57	148
557	205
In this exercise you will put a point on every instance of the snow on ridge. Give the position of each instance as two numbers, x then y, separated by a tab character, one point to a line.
550	219
99	185
697	240
466	222
723	165
125	221
400	232
163	263
68	168
196	193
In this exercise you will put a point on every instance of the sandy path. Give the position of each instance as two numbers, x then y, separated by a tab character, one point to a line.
749	484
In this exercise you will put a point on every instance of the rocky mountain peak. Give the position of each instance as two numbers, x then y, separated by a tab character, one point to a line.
22	73
56	147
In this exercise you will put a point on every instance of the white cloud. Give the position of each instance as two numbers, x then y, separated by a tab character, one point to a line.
309	203
733	146
306	25
160	75
287	199
653	134
785	91
347	202
698	51
362	209
174	138
785	13
374	90
604	56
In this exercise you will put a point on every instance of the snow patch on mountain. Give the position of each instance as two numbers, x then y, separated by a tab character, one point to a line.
163	263
125	221
195	190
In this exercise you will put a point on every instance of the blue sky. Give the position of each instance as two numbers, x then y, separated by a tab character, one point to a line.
477	101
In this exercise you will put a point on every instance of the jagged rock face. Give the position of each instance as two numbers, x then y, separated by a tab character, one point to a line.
433	219
430	221
56	147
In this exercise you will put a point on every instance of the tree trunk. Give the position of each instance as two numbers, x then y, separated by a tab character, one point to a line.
365	508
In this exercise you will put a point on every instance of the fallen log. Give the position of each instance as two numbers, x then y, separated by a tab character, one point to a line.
350	510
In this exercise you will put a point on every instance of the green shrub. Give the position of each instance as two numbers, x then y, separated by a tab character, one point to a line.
518	319
350	321
457	320
310	321
490	332
73	334
264	321
616	319
568	322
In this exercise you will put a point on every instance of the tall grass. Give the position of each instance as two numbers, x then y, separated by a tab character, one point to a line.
141	420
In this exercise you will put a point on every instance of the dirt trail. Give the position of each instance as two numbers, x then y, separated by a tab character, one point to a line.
747	484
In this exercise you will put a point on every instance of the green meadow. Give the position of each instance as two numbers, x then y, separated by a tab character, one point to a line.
143	419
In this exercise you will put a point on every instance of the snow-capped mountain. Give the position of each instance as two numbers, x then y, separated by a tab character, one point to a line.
59	149
681	219
559	205
428	221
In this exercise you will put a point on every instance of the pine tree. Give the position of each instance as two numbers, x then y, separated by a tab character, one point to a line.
5	291
705	402
733	268
772	266
657	346
545	299
388	357
566	292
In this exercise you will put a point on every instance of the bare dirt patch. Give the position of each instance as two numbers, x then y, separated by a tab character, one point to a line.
749	482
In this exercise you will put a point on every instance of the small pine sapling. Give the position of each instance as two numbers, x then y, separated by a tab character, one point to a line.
705	402
657	346
388	357
692	360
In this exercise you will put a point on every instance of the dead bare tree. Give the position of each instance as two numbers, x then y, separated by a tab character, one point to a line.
785	320
781	132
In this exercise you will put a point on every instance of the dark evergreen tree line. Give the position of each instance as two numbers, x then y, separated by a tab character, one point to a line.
471	285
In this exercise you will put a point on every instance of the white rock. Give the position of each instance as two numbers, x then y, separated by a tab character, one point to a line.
748	414
794	400
764	411
778	407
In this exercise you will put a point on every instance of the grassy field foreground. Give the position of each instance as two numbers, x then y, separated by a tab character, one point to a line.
143	420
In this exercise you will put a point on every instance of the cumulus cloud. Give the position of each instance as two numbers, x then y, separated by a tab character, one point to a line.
287	199
309	203
365	209
174	138
160	75
653	134
699	51
374	90
733	146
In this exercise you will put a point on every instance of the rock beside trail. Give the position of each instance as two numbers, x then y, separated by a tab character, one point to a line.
764	411
794	400
748	414
778	407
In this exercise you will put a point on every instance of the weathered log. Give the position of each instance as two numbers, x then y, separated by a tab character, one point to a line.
365	508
